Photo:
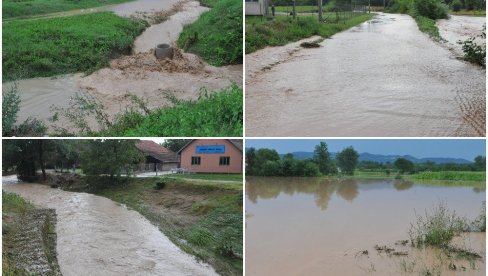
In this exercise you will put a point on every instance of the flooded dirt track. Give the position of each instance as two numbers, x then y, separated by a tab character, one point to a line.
297	226
458	28
96	236
381	78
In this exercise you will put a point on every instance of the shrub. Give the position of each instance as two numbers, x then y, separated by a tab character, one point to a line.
399	6
456	5
436	228
10	108
474	52
433	9
199	236
160	185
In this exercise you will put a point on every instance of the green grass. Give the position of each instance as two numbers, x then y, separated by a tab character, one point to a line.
451	175
209	176
298	9
217	35
13	207
283	29
216	234
215	114
469	13
428	26
47	47
26	8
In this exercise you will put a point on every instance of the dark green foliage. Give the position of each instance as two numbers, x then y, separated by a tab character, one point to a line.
347	160
175	144
322	158
428	26
433	9
217	35
404	166
283	30
47	47
10	108
399	6
26	156
474	52
456	5
480	162
214	114
26	8
160	185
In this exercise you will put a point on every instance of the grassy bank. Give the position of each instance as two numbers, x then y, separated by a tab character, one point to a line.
26	8
13	208
202	218
469	13
283	29
47	47
451	175
217	35
428	26
214	114
210	176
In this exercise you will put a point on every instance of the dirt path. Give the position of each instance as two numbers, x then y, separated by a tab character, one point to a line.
99	237
382	78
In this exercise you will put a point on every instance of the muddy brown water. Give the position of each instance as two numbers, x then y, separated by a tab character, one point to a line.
460	28
381	78
97	236
297	226
139	74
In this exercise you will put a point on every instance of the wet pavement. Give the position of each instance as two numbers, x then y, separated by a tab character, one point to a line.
97	236
381	78
305	226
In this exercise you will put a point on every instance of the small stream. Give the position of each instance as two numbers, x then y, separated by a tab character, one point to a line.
96	236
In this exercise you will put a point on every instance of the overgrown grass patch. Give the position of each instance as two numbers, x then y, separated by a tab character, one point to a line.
428	26
217	35
47	47
26	8
210	176
452	175
284	29
214	114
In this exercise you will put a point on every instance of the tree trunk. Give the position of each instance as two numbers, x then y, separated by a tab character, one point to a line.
41	159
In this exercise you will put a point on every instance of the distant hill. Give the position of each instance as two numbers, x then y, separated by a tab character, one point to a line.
365	156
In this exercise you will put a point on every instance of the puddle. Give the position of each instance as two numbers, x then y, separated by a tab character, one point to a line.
305	226
381	79
461	28
99	237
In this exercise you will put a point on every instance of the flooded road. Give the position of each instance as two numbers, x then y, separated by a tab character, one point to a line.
99	237
139	74
458	28
381	78
305	226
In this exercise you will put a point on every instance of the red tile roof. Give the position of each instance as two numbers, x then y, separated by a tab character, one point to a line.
157	151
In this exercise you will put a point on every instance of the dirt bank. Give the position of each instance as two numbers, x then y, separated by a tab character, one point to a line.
381	78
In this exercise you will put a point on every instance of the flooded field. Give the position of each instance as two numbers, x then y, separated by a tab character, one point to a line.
300	226
381	78
100	237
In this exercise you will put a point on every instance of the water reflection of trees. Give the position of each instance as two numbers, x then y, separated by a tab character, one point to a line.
321	188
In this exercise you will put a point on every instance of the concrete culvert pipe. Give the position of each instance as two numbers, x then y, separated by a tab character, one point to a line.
164	51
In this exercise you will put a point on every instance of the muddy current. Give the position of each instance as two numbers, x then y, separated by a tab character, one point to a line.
97	236
381	78
139	74
297	226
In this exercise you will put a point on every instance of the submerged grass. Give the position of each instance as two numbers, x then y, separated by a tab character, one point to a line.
214	232
217	35
26	8
283	29
47	47
214	114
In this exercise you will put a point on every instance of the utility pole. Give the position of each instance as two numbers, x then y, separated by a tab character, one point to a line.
320	10
294	9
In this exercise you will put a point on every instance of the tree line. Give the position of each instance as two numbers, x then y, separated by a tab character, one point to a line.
267	162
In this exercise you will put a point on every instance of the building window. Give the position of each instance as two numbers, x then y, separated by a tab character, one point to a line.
195	160
224	161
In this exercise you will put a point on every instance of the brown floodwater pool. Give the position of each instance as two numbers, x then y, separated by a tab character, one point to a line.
312	226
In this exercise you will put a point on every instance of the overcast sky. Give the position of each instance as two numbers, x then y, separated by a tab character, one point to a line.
454	148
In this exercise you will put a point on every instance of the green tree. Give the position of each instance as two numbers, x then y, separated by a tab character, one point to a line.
403	165
175	144
321	156
109	157
480	163
347	160
456	5
10	108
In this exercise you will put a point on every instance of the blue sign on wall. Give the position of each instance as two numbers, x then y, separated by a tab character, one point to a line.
210	149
